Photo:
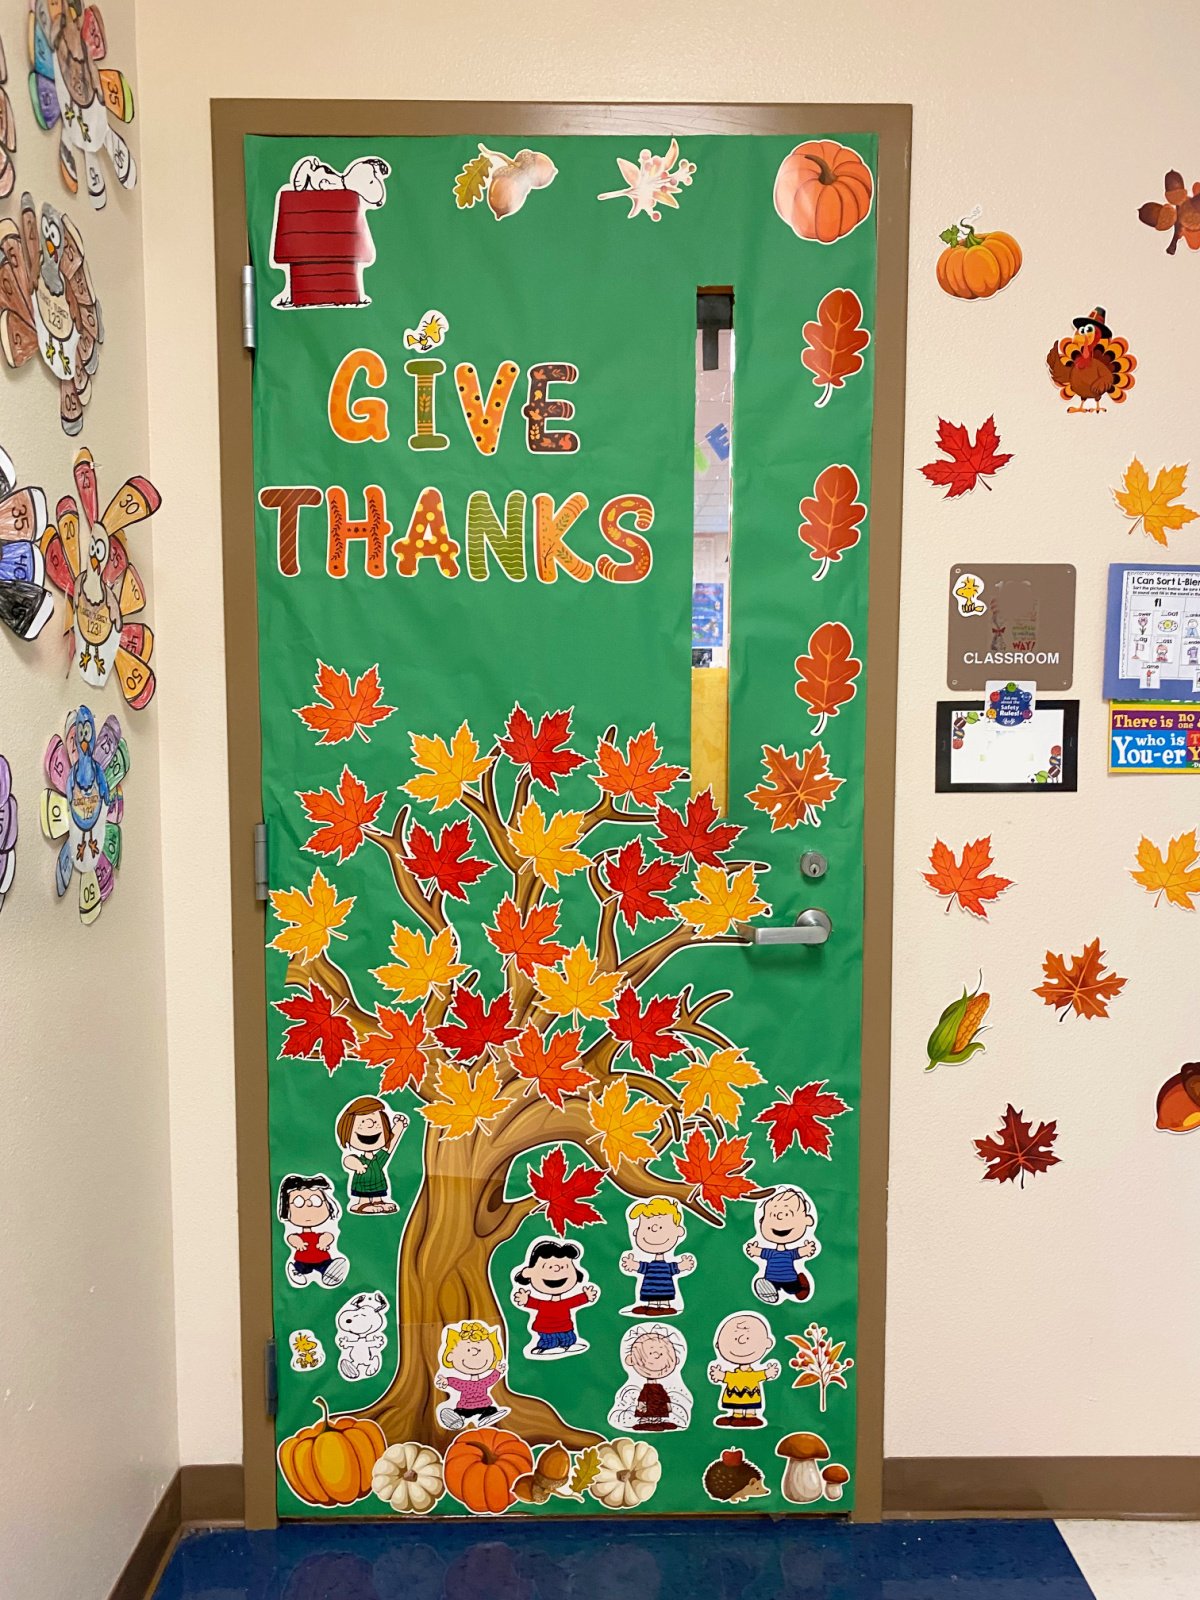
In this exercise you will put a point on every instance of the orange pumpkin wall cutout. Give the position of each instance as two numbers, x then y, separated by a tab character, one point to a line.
823	190
331	1462
975	266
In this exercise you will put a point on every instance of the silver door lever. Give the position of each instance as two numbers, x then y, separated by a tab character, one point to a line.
811	927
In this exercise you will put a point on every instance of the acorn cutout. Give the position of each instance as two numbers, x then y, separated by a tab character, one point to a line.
1178	1104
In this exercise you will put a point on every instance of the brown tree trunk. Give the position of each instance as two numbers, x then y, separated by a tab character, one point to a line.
459	1218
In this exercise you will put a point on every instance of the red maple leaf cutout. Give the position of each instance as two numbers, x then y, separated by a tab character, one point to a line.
1080	985
341	711
717	1170
968	881
539	751
969	463
695	831
799	1117
317	1027
639	884
1019	1148
343	816
647	1033
395	1045
446	863
478	1027
639	772
564	1195
550	1063
528	942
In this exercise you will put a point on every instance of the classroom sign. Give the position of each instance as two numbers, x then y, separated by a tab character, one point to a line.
564	1204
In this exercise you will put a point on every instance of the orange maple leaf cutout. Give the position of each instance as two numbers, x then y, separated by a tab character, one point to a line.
340	711
1080	985
550	1063
966	881
832	517
796	787
395	1044
835	342
342	816
639	773
827	674
527	941
717	1172
1018	1148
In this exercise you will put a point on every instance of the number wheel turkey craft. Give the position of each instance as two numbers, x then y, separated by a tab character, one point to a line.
554	1045
70	89
84	805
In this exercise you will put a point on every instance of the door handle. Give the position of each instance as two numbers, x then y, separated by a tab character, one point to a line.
811	927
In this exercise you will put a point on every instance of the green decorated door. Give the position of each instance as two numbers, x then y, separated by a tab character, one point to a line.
562	462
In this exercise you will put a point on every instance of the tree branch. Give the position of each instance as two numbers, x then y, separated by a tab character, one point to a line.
393	844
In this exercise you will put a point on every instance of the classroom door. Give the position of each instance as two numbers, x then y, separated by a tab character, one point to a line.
564	959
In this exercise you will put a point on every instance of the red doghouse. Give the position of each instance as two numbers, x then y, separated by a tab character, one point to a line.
322	242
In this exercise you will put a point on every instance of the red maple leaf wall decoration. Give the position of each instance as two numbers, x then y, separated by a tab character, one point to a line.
1018	1148
970	462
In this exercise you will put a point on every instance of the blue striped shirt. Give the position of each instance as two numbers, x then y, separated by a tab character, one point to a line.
658	1279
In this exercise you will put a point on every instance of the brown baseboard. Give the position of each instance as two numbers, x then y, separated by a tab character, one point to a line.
1042	1486
195	1495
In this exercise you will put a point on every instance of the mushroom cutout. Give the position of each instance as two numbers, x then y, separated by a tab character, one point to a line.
802	1480
835	1479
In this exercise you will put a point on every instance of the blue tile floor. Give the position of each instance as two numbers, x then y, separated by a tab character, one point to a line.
679	1560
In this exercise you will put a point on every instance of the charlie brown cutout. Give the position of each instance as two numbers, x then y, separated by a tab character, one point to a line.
742	1343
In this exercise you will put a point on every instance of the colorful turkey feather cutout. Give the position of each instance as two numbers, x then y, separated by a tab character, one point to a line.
70	89
84	806
88	561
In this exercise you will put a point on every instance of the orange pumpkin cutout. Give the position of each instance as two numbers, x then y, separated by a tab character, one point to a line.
483	1465
975	266
330	1463
823	190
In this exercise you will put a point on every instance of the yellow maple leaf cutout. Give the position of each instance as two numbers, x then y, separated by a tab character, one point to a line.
1176	875
1152	506
722	899
419	968
316	916
576	986
716	1080
449	768
549	846
623	1130
465	1105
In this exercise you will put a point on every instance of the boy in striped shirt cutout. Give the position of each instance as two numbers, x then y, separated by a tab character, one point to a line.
656	1230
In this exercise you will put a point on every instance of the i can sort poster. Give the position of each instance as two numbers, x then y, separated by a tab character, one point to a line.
564	1162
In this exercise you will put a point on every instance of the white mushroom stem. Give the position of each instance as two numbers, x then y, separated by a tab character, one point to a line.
802	1481
833	1489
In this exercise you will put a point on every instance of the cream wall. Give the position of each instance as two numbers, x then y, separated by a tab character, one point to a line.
1058	1320
88	1436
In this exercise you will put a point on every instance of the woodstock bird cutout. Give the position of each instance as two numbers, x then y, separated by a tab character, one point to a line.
25	604
83	806
1092	364
67	86
102	586
48	304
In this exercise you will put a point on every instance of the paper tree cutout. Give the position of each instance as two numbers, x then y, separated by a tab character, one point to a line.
48	304
103	588
8	830
69	87
84	805
8	133
25	605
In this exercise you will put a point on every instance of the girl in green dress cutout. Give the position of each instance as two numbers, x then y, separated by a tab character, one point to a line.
368	1133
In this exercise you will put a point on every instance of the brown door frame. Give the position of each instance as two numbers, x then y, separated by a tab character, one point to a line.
232	120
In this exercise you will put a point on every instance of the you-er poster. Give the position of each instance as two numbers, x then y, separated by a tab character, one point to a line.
564	1164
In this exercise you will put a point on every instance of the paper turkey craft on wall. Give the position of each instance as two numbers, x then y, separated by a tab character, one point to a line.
25	605
84	806
8	132
48	304
91	565
68	86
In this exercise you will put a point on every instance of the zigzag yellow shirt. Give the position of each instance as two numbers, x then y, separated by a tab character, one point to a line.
742	1386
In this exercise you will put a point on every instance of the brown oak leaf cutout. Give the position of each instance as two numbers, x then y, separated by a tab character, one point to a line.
835	341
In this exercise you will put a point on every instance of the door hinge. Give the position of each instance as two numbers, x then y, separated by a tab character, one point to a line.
271	1378
249	317
262	890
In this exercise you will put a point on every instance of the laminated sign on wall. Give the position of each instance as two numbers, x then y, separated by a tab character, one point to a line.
565	1214
1011	621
